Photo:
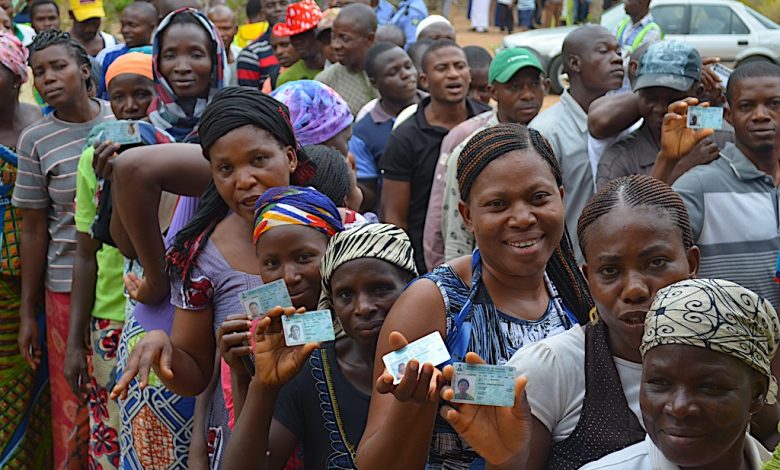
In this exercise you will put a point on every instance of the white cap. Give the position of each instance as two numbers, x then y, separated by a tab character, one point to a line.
433	19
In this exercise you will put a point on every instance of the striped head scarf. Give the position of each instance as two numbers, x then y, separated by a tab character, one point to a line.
717	315
317	112
165	112
295	205
13	55
381	241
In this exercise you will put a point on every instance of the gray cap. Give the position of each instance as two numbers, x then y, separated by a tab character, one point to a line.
669	64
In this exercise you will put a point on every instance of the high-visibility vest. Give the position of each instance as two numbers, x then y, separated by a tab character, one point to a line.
639	37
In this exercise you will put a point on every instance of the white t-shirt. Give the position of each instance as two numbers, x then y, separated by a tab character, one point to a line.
646	456
555	368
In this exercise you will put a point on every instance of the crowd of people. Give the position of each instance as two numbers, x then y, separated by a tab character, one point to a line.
624	264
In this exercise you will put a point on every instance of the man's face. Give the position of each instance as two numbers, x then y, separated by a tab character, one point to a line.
306	44
350	43
521	97
284	51
45	17
636	7
447	75
479	89
137	28
396	77
226	25
601	67
653	103
275	11
754	111
87	29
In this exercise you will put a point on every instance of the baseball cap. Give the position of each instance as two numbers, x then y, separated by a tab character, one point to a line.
509	61
86	9
301	17
669	64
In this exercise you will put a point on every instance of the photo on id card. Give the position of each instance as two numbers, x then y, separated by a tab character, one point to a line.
308	327
483	384
258	301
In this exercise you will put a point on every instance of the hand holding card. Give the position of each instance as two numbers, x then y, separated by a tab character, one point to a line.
677	138
409	370
275	362
258	301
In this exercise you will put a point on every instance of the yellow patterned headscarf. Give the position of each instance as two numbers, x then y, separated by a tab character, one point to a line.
718	315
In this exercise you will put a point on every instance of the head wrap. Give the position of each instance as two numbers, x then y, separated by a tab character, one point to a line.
381	241
318	113
13	55
294	205
428	21
717	315
236	107
165	112
136	63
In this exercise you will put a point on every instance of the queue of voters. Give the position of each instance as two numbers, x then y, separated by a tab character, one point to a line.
335	234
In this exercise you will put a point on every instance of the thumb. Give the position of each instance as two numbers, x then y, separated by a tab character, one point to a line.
702	134
453	417
397	340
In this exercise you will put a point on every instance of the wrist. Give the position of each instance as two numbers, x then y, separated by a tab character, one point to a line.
256	386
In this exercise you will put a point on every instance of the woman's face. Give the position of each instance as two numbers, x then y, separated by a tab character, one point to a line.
697	403
362	293
130	96
247	161
186	60
630	253
515	211
293	253
57	75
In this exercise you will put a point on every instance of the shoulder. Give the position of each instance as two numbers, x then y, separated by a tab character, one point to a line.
328	73
38	129
636	457
706	178
563	353
547	119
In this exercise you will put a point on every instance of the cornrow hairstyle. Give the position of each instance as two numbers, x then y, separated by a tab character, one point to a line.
372	57
332	175
495	142
55	37
636	191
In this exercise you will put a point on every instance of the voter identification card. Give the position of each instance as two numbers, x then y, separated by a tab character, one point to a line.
122	132
429	348
705	117
723	73
309	327
258	301
483	384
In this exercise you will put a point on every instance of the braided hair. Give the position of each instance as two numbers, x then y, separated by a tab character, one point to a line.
494	142
55	37
636	191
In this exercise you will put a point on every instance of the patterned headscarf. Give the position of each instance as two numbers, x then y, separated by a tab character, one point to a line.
13	55
716	315
381	241
164	112
317	112
295	205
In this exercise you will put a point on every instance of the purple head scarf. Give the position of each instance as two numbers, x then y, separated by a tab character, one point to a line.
317	112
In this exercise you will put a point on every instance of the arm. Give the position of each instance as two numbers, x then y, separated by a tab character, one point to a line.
398	433
199	456
612	114
33	249
395	202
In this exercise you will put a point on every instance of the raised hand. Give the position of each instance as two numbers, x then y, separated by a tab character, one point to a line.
234	340
154	351
499	434
677	140
419	384
275	362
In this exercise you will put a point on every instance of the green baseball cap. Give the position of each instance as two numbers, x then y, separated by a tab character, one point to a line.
509	61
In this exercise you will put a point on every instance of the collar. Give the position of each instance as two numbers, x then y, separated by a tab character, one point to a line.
647	19
379	115
472	109
752	449
580	116
742	167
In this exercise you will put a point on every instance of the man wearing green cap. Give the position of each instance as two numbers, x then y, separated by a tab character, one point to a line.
518	86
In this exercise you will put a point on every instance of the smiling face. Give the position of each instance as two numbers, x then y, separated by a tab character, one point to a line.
247	161
396	77
349	43
185	60
362	293
515	211
521	97
446	74
130	96
754	111
44	17
293	253
58	77
697	403
631	253
137	26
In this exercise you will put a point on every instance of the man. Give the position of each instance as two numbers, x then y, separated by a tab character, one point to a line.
260	18
300	26
353	34
638	26
257	62
412	150
44	15
392	34
518	85
22	32
87	16
433	28
669	71
164	7
287	56
138	21
409	14
733	201
591	58
479	63
392	73
225	21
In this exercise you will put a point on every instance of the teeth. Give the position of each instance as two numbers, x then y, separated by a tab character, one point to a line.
523	244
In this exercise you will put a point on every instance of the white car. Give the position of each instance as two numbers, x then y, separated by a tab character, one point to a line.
717	28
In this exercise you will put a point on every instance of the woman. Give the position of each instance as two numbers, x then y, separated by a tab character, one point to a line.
521	285
706	355
294	398
24	390
49	151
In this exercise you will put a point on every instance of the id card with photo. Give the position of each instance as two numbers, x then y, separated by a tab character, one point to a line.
429	348
261	299
483	384
705	117
309	327
122	132
723	73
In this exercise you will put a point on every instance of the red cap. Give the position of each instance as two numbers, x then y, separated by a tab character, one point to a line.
301	17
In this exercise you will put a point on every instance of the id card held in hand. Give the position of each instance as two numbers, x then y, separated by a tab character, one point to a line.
705	117
429	348
121	132
261	299
309	327
483	384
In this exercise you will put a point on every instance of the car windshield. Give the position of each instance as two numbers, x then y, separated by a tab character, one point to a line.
766	22
611	17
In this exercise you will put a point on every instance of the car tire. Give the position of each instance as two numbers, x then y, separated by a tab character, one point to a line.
554	72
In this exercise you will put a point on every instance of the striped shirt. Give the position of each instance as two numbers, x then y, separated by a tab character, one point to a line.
734	213
256	62
49	153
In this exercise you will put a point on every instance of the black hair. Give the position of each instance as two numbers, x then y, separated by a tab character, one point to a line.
388	29
753	69
436	46
55	37
494	142
417	50
332	175
372	57
477	57
253	8
145	7
37	3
